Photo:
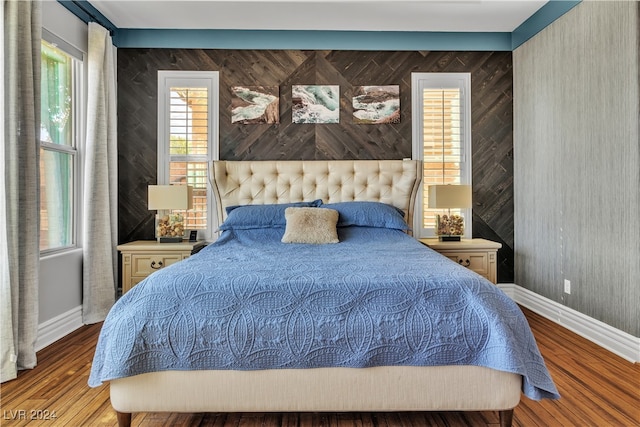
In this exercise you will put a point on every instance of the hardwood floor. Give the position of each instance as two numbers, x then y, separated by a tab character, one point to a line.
598	388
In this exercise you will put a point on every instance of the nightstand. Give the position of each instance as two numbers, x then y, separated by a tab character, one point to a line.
143	257
478	255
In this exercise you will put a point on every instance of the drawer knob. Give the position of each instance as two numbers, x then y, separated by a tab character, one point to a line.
465	262
154	264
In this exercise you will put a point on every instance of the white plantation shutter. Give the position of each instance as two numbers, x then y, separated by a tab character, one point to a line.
187	138
442	143
192	173
189	148
442	139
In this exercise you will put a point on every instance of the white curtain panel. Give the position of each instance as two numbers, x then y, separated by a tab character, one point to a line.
100	180
19	228
8	369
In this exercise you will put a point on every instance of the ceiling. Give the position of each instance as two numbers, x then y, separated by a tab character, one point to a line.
356	15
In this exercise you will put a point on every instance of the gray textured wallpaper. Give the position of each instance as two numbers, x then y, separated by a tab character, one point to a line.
576	162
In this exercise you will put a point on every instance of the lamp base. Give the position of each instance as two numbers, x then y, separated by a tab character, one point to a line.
170	239
169	228
449	227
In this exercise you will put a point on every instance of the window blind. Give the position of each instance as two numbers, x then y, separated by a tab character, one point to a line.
189	148
442	143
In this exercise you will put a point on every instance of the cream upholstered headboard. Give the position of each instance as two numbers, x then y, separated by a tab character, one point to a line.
394	182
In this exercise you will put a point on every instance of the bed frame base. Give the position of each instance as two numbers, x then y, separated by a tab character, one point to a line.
506	418
338	390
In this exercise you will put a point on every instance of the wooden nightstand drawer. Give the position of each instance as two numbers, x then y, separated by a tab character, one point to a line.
143	265
478	262
478	255
143	257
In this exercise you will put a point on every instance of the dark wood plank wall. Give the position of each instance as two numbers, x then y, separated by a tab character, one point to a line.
492	121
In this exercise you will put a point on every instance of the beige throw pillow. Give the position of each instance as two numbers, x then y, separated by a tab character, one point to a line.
310	225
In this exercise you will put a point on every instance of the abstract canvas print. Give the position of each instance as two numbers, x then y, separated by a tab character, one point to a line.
315	104
376	104
255	104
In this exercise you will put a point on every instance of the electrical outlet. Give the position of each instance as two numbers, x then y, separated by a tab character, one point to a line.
567	286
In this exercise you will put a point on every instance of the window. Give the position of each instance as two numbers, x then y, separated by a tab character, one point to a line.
59	128
441	104
187	139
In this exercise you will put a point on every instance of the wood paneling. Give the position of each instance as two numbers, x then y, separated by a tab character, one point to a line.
492	121
597	387
578	162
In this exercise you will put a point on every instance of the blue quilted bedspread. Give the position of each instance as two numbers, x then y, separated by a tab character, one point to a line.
378	297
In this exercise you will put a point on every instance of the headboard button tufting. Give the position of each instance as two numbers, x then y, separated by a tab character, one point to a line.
257	182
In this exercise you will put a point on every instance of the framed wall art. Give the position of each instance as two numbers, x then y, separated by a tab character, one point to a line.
315	104
255	104
376	104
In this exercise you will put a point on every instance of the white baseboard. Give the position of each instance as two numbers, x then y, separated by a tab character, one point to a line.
58	327
621	343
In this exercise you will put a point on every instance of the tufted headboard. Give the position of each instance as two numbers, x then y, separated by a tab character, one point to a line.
394	182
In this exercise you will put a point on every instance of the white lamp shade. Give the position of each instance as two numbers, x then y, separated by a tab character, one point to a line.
449	196
170	197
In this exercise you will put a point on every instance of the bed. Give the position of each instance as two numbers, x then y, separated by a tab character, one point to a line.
370	321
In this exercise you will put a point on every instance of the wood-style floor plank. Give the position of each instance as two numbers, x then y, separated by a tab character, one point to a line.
598	389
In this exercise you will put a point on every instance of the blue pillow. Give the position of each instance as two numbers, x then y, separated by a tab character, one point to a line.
369	214
243	217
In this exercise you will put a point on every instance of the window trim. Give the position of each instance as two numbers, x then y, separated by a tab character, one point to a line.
61	44
77	117
210	79
420	81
